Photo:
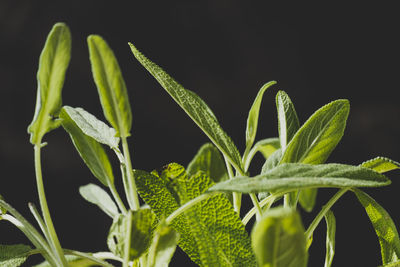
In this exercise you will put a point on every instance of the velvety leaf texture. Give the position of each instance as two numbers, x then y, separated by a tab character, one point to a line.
291	176
288	122
195	107
381	164
266	146
96	195
13	255
110	85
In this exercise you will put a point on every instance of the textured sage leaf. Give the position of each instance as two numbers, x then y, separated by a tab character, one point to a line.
96	195
163	246
330	238
266	146
139	224
278	239
272	161
195	107
73	261
53	64
384	227
13	255
93	127
252	119
393	264
90	150
292	176
381	164
288	122
110	86
211	232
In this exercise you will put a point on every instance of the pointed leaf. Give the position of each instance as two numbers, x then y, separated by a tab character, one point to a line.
96	195
252	119
381	164
266	146
384	227
288	122
272	161
292	176
330	238
13	255
53	64
90	150
278	239
110	85
195	107
163	246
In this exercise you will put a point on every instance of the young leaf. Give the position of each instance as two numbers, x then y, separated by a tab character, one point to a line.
292	176
278	239
209	160
195	107
288	122
110	85
53	64
272	161
381	164
93	127
252	119
266	146
384	227
90	150
330	238
96	195
13	255
163	246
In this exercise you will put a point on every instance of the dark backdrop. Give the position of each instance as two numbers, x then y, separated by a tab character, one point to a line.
224	51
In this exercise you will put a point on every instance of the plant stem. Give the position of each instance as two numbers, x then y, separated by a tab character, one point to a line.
127	244
117	198
323	211
236	197
45	209
40	221
256	205
132	194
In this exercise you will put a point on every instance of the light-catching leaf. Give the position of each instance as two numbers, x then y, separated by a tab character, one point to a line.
73	261
163	246
195	107
53	64
96	195
90	150
292	176
381	164
384	227
393	264
266	146
278	239
330	238
272	161
252	119
2	210
110	85
13	255
288	122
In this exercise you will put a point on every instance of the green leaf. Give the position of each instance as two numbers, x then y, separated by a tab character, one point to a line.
330	238
163	246
209	160
2	210
384	227
205	228
272	161
278	239
252	119
139	224
53	64
393	264
93	127
110	86
288	122
13	255
381	164
90	150
195	107
73	261
96	195
292	176
267	146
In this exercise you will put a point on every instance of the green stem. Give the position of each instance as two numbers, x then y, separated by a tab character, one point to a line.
256	205
236	196
127	244
45	209
132	194
40	221
323	211
117	198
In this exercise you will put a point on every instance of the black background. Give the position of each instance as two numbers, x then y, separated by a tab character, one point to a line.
224	51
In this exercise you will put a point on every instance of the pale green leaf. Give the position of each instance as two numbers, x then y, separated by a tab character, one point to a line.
110	85
13	255
381	164
278	239
393	264
288	122
73	261
195	107
252	119
267	146
330	238
96	195
307	198
162	246
90	150
2	210
272	161
53	64
292	176
384	227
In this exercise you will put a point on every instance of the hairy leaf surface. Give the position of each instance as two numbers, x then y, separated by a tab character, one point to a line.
266	147
13	255
96	195
288	122
381	164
